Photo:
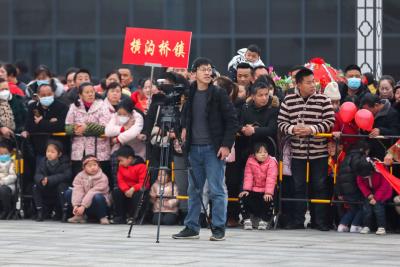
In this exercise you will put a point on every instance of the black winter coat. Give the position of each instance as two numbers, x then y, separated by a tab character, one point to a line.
221	117
53	121
346	183
265	121
57	174
388	122
343	88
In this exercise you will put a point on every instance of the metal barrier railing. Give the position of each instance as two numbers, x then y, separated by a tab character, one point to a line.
279	154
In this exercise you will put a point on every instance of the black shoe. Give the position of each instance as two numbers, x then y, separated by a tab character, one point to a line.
118	220
218	234
186	233
3	215
323	228
39	215
294	226
64	216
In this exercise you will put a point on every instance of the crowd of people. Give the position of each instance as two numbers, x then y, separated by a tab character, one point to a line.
92	149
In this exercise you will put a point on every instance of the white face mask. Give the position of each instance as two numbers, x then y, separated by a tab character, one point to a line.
123	119
5	95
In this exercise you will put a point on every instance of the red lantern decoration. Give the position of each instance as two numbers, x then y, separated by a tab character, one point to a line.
364	119
347	111
323	72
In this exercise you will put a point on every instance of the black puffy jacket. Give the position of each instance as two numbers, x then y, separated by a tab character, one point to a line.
346	183
59	173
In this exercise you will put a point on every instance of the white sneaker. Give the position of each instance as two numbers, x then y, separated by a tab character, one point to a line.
342	228
262	225
248	225
381	231
355	229
365	230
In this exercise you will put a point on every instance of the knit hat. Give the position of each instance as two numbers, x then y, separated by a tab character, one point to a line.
332	91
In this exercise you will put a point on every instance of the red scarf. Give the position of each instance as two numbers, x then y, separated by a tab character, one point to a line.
87	104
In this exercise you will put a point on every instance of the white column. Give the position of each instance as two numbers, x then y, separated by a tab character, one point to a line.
369	36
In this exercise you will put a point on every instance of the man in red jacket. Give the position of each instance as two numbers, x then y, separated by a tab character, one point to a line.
131	176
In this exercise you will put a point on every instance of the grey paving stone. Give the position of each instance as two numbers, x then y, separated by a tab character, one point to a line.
27	243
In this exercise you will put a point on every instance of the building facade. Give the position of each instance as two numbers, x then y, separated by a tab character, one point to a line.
90	33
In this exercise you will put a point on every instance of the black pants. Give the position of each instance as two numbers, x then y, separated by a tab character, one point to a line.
318	189
49	198
124	206
254	204
287	188
233	180
167	218
6	198
378	209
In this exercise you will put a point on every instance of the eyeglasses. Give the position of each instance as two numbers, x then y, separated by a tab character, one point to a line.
205	69
4	89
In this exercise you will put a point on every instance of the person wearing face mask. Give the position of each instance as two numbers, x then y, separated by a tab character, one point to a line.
12	112
52	177
7	180
44	75
353	88
123	129
46	115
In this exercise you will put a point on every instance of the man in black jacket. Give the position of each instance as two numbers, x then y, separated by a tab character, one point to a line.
386	123
353	90
45	116
209	128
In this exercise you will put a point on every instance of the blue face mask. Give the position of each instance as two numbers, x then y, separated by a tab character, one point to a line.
5	158
47	100
354	83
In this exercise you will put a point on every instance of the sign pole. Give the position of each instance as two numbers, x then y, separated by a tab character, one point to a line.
152	74
152	65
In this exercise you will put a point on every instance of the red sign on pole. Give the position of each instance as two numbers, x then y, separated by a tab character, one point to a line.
154	47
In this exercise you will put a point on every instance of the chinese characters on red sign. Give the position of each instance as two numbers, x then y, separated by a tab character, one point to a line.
164	48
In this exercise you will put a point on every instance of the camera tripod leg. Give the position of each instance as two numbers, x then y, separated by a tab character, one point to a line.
141	201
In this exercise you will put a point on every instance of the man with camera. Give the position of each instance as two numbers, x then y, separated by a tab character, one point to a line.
209	126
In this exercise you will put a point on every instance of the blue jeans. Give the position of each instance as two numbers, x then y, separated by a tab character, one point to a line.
353	216
97	209
205	165
378	209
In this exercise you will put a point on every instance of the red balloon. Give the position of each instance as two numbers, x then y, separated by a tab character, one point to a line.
364	119
347	111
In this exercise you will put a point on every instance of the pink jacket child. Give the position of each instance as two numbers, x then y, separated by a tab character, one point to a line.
260	176
126	133
375	185
87	186
169	205
96	119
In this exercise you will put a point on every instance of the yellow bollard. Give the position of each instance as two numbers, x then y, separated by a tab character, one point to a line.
308	172
281	171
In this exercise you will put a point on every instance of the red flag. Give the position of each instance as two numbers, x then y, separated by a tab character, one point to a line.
393	180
